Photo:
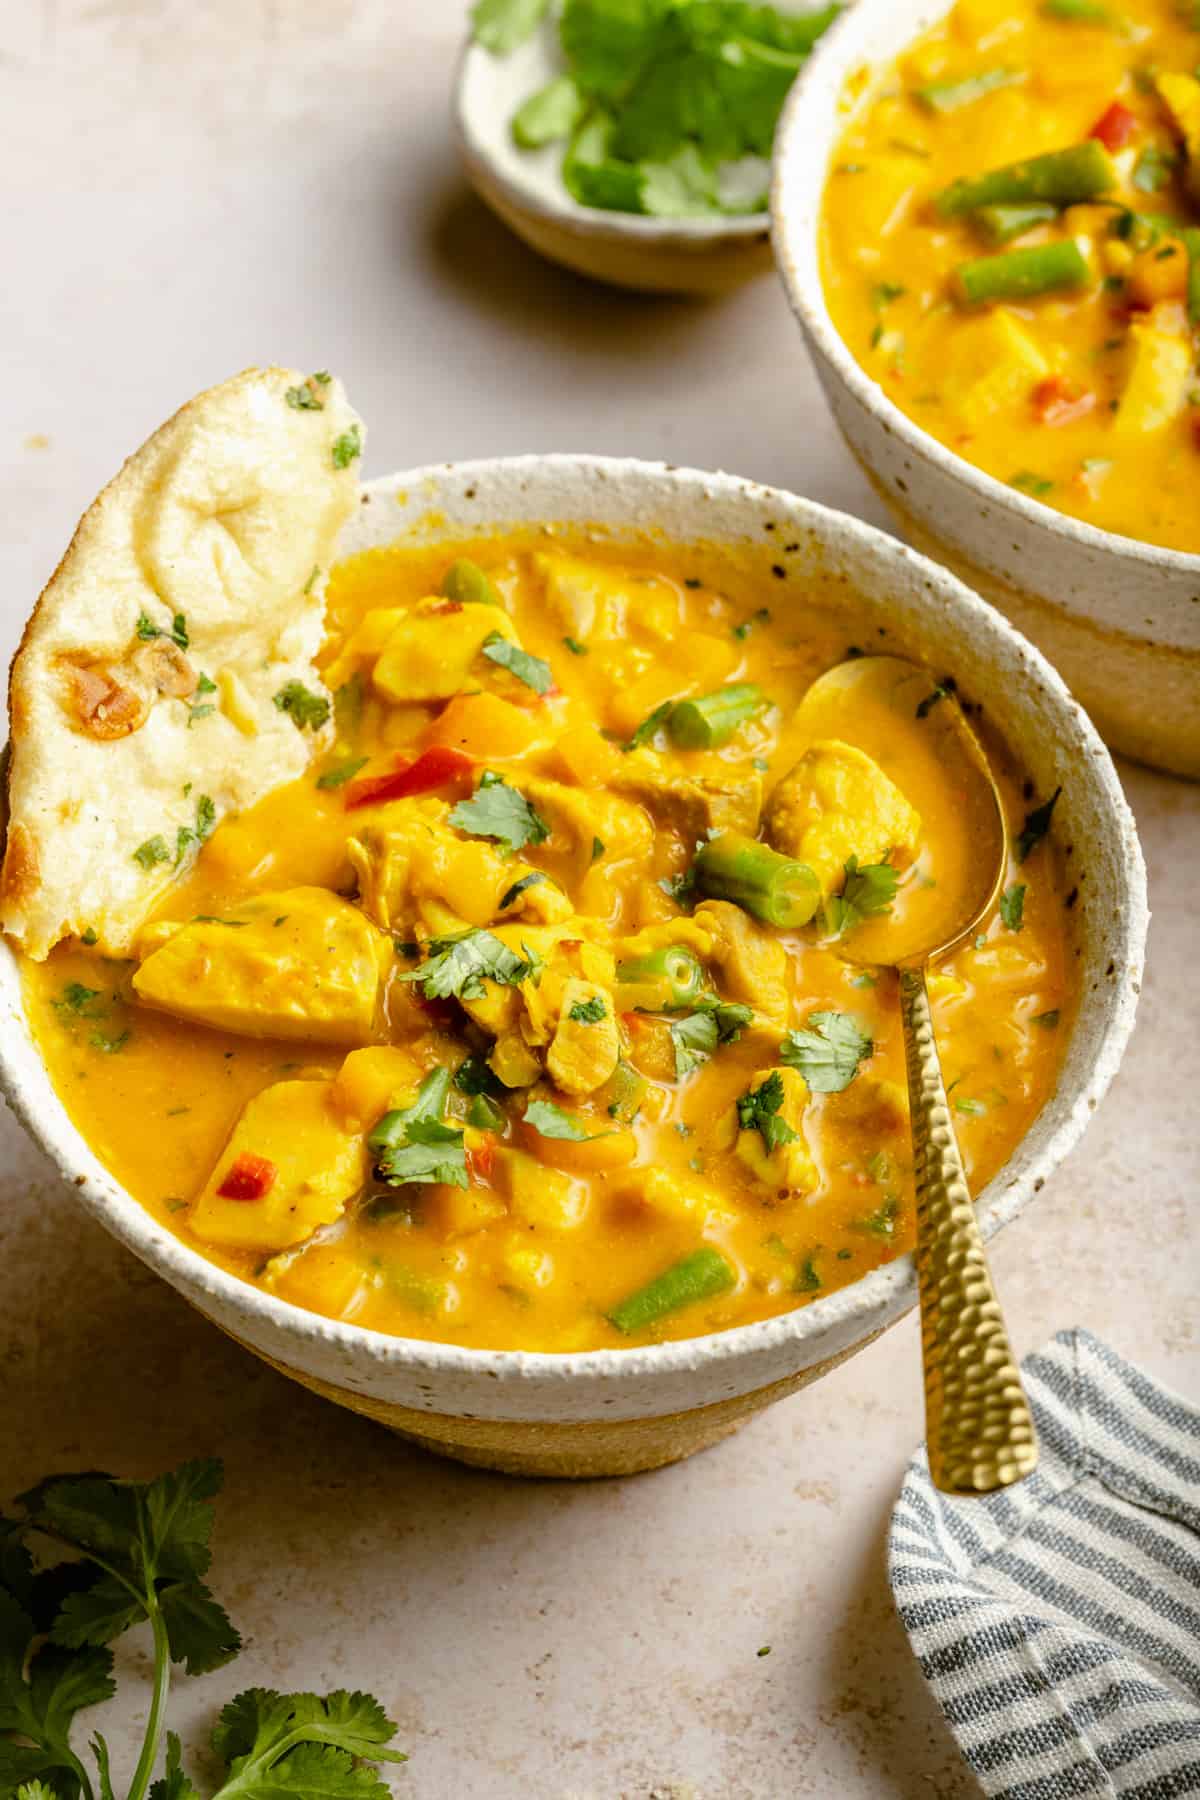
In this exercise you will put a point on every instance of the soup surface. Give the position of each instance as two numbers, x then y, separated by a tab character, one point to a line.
521	1020
1009	246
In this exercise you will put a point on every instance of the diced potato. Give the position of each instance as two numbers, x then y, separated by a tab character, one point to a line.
883	195
613	1148
873	1106
371	1082
585	757
1159	272
653	606
319	1166
1158	377
583	600
485	726
496	1010
992	364
676	1196
537	1195
753	963
298	964
582	818
456	1212
433	650
364	643
584	1052
837	803
513	1062
789	1168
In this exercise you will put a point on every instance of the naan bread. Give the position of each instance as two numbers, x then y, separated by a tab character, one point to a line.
202	563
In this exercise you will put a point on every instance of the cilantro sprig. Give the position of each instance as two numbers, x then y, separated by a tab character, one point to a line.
496	810
414	1144
457	967
759	1110
697	1036
867	892
666	107
307	711
829	1052
136	1553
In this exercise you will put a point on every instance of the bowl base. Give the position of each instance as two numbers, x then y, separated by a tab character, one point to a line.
560	1451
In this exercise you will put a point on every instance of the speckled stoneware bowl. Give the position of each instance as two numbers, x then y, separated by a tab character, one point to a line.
1119	619
610	1412
525	189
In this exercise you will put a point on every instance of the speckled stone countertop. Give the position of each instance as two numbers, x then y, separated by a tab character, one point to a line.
189	188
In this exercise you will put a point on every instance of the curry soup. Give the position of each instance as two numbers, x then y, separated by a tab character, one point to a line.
520	1020
1010	246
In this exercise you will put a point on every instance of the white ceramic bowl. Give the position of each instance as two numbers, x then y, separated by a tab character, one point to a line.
525	189
610	1411
1119	619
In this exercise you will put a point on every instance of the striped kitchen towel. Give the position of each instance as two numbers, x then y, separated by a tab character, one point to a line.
1058	1622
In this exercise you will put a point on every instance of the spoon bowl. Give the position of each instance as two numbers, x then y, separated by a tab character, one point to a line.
979	1429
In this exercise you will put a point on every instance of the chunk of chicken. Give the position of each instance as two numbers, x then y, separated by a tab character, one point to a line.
586	1044
585	818
837	803
432	652
691	805
313	1166
413	855
297	964
753	963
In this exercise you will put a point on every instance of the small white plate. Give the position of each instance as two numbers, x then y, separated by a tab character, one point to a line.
525	188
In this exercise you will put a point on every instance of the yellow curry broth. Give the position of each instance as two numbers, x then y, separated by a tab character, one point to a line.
157	1097
1084	397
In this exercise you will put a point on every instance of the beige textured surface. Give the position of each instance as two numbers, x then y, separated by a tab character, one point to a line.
245	181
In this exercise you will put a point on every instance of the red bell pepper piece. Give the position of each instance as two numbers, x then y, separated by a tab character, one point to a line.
1058	402
482	1161
433	769
1115	126
249	1177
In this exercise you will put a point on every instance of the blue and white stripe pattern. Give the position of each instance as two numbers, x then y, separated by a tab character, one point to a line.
1058	1622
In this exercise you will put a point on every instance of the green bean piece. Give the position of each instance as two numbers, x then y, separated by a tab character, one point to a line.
1079	12
774	888
1191	241
948	96
466	582
661	979
1080	172
1022	274
623	1093
700	1276
711	720
550	114
999	224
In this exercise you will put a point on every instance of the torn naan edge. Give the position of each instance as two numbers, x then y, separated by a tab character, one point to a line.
150	695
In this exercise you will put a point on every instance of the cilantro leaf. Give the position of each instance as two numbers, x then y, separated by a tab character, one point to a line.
41	1706
300	1744
829	1053
347	447
413	1144
473	1077
511	895
498	811
693	1041
1012	906
307	711
588	1012
1037	824
458	966
503	25
758	1110
147	630
535	673
551	1121
866	893
155	850
77	999
342	772
173	1784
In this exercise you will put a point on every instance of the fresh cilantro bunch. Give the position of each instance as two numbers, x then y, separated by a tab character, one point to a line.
666	107
136	1553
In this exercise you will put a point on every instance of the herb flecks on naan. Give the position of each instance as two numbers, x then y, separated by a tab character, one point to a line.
166	676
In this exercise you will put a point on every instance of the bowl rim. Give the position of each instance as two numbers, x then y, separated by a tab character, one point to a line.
848	1314
798	165
555	207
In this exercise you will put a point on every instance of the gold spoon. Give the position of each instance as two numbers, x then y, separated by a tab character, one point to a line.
979	1429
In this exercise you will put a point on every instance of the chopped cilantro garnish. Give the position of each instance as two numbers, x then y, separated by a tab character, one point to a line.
305	398
1047	1020
678	887
866	893
205	684
312	576
456	967
1012	906
89	936
109	1045
1037	824
696	1037
1031	483
152	852
551	1121
348	706
473	1076
828	1054
758	1110
575	647
178	634
926	706
307	711
598	848
77	1000
535	673
342	772
347	447
973	1109
747	625
880	1223
498	811
808	1280
588	1012
511	895
1152	170
413	1144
